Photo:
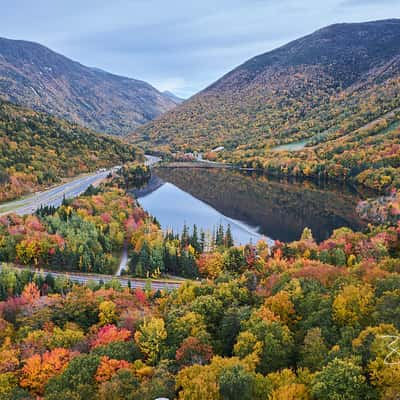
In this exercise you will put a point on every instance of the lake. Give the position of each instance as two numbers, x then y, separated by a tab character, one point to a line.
254	205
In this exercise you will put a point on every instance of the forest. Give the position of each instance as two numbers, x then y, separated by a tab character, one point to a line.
353	131
87	235
314	318
37	150
368	156
299	320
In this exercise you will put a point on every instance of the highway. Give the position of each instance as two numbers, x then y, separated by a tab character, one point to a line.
97	278
72	189
54	196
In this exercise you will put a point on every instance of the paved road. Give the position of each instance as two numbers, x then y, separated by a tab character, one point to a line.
201	159
54	196
124	260
85	278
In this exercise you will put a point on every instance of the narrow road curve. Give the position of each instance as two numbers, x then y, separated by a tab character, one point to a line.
124	260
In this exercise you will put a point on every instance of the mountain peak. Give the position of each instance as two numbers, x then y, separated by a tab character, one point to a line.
173	97
347	50
37	77
309	85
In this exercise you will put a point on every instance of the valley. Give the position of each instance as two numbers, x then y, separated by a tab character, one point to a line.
328	88
239	244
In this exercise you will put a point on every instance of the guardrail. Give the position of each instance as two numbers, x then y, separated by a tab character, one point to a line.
82	278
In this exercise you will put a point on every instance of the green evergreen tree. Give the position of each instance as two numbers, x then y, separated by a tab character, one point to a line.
228	237
185	235
202	241
194	240
144	257
219	239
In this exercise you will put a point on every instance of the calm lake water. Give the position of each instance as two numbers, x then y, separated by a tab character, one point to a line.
255	206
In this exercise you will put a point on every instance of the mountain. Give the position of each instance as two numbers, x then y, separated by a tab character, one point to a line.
173	97
340	82
37	150
289	93
36	77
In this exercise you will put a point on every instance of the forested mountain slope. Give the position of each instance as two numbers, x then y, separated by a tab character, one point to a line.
37	149
35	76
369	156
325	85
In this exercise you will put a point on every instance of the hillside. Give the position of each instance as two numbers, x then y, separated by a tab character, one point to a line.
330	83
369	156
36	77
173	97
37	150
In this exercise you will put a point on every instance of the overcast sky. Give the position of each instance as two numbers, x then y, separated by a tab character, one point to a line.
177	45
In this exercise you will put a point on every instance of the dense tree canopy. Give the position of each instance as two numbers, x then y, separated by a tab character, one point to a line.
37	150
300	320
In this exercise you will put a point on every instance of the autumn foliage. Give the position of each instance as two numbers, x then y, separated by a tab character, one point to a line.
108	368
287	321
109	334
38	369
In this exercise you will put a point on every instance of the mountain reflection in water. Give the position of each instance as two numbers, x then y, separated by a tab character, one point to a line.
254	205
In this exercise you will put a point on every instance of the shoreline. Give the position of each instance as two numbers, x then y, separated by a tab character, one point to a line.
204	165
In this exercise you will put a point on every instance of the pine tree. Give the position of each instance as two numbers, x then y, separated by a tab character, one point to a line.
228	237
57	259
202	241
213	241
219	240
144	257
185	236
194	240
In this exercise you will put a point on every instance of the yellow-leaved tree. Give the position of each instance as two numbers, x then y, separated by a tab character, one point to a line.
150	338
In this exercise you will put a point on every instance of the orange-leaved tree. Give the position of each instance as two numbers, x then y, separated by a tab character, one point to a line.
39	369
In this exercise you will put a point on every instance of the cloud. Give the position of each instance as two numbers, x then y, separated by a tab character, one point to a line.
361	3
174	85
197	46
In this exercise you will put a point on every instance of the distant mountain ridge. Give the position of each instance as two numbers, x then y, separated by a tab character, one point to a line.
345	51
310	85
36	77
173	97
